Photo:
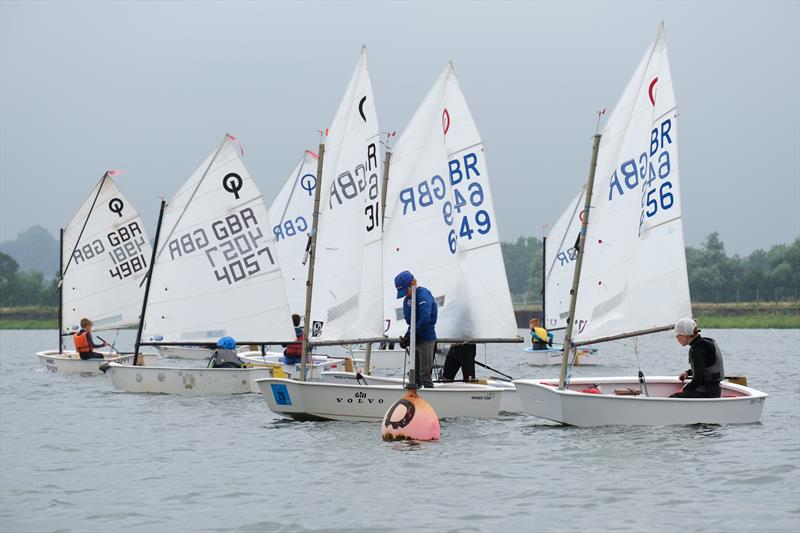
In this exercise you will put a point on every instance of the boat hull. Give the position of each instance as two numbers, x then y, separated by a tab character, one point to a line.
382	359
195	353
552	356
509	400
347	402
186	381
293	370
69	362
738	405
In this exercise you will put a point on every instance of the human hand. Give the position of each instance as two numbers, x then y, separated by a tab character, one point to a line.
683	376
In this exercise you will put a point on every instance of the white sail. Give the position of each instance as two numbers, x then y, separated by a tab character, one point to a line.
290	219
104	262
559	261
440	221
633	276
216	272
347	297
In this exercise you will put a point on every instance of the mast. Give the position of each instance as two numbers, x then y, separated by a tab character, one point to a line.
544	279
576	276
312	253
147	285
60	288
387	158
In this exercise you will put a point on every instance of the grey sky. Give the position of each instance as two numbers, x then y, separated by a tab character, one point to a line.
151	88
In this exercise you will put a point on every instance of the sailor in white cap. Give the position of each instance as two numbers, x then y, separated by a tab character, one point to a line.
705	361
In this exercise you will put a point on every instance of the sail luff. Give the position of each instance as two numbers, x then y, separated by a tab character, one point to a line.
86	221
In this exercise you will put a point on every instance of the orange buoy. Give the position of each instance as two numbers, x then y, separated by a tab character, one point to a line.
411	417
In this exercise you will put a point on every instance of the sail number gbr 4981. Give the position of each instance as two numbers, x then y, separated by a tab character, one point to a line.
460	197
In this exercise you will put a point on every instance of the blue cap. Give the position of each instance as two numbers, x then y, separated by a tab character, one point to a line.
402	281
227	343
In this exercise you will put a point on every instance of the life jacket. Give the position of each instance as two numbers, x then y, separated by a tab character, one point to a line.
540	335
82	342
222	355
296	348
715	372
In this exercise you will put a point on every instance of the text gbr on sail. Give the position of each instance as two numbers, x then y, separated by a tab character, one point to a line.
232	245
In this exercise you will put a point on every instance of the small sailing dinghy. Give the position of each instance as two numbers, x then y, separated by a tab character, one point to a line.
104	253
215	273
558	262
425	150
630	271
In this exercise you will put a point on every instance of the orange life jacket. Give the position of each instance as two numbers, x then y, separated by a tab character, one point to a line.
82	342
296	348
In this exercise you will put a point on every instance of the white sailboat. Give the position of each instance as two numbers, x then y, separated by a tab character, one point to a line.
215	273
422	150
290	218
104	254
557	269
630	272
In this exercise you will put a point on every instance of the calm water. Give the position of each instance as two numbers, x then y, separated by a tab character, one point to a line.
76	455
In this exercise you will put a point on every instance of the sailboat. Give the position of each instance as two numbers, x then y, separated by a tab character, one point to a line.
214	273
423	150
558	265
630	271
104	254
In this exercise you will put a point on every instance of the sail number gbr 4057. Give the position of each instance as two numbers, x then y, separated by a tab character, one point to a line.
464	214
233	246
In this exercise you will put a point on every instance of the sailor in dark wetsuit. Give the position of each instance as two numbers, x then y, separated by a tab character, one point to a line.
225	354
705	361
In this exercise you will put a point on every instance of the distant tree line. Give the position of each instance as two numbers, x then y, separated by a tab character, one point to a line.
772	274
24	287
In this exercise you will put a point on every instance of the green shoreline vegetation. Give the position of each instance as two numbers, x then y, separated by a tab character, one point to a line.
743	315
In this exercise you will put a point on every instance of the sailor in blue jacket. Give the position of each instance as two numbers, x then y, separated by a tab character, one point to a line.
427	312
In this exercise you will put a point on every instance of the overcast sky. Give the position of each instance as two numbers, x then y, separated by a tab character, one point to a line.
151	88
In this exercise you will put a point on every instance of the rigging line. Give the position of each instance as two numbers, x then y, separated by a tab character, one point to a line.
88	215
194	192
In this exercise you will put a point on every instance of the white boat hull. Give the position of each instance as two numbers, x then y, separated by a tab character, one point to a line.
509	400
322	363
69	362
552	356
336	401
186	381
383	359
738	405
196	353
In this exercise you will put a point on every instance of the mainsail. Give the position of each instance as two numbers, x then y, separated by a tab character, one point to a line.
348	299
216	271
290	219
634	277
105	253
440	221
559	261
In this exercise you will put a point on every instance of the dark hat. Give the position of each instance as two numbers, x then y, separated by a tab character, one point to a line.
402	281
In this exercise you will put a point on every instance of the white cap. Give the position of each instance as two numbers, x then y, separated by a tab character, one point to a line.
685	326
